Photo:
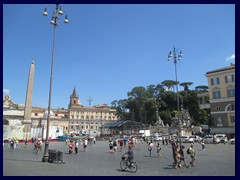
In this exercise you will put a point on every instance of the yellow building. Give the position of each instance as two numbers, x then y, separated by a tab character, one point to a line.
221	84
74	119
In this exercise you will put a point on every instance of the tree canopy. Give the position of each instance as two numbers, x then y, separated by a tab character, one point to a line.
143	104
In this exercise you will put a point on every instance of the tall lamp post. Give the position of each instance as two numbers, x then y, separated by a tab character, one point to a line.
177	55
90	100
57	11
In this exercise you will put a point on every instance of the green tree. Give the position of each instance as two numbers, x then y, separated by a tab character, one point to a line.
169	84
201	88
186	85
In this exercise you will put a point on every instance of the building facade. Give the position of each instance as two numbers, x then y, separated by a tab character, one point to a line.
221	84
73	120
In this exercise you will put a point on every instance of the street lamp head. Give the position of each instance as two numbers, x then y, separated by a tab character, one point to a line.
60	12
66	20
45	12
180	55
169	55
53	21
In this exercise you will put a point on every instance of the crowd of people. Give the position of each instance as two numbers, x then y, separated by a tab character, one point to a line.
119	144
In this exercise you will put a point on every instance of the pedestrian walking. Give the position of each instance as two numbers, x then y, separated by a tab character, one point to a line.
150	149
114	146
203	145
26	141
192	154
125	142
76	147
166	140
111	145
181	157
121	144
85	143
94	140
158	150
71	147
174	151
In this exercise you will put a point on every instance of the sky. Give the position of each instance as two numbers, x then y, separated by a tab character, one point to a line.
106	50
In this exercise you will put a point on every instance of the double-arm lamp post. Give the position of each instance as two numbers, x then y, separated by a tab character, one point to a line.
57	11
177	55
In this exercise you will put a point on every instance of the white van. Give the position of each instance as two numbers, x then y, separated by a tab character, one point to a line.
221	137
185	139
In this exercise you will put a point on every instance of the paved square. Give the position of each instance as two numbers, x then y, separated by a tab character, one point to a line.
217	160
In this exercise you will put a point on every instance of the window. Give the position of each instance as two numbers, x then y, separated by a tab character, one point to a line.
36	114
215	81
72	116
82	127
218	108
216	95
91	127
71	127
232	118
82	117
231	107
229	78
219	121
65	115
231	92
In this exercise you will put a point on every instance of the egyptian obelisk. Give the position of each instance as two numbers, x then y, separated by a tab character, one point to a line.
28	104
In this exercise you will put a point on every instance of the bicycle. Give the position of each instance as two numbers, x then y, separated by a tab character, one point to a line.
124	163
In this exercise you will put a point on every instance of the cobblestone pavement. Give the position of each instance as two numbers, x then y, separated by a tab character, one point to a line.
216	160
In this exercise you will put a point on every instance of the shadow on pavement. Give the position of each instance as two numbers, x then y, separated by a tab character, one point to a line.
120	170
23	160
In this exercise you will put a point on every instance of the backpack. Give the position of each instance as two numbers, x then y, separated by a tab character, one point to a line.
188	151
149	148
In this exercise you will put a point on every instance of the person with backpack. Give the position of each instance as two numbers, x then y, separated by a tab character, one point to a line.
192	154
181	157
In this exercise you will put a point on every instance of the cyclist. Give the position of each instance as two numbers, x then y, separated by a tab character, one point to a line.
130	155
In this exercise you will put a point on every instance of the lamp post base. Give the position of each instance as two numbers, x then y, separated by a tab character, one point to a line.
46	155
45	158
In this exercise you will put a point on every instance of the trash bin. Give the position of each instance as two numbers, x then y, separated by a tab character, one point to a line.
55	156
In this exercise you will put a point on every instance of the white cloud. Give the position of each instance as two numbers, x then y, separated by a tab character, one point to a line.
232	57
6	91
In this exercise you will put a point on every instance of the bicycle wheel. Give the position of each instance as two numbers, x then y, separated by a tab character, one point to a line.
134	167
123	164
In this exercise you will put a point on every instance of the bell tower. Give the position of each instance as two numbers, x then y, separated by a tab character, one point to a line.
74	101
